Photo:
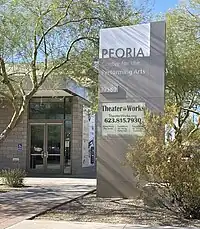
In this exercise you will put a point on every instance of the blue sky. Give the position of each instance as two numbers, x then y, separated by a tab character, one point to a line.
164	5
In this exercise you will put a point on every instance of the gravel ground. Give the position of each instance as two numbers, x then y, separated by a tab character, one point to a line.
107	210
4	188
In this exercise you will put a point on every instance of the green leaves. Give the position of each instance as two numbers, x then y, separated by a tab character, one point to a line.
183	55
171	167
52	40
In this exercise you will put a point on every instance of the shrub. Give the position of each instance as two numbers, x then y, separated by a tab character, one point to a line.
171	167
13	177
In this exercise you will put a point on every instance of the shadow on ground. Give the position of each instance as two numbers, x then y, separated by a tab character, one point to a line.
106	210
31	200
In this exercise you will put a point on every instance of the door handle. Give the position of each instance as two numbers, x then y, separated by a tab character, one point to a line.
46	154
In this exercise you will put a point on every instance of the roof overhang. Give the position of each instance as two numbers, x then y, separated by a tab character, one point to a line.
52	93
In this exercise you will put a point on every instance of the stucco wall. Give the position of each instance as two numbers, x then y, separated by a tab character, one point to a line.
9	148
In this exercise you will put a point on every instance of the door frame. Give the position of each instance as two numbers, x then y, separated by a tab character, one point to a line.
45	123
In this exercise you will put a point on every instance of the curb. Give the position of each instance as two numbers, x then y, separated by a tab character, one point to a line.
59	205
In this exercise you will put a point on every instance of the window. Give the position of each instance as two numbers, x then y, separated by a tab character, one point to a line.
53	108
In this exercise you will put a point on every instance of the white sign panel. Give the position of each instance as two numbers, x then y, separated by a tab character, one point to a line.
88	138
124	42
122	119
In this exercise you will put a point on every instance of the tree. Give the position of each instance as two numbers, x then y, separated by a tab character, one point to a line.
167	157
183	56
170	170
117	13
43	40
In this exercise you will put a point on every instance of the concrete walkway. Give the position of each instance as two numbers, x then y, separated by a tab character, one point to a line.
42	194
43	224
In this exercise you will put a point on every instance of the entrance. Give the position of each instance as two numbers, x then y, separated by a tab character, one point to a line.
46	147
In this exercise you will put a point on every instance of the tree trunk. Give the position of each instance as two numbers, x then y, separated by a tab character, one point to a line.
15	119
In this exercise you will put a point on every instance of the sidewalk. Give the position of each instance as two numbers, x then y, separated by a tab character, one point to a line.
40	224
42	194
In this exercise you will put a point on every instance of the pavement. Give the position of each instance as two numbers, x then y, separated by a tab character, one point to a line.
40	195
17	207
45	224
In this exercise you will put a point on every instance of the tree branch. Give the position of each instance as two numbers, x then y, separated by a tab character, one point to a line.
17	73
193	131
45	53
193	15
54	25
66	59
35	52
21	89
37	45
6	80
81	20
178	134
5	95
190	110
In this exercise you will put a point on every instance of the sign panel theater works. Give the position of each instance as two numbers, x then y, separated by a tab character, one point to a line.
131	77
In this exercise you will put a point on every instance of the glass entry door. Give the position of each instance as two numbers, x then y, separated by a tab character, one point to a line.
53	152
37	145
46	149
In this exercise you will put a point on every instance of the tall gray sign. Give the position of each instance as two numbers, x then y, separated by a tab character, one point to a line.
131	77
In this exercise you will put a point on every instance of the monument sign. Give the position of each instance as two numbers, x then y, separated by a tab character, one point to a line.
131	77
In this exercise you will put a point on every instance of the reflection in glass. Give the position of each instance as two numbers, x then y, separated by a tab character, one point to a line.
37	147
46	138
50	109
46	110
53	146
67	158
68	107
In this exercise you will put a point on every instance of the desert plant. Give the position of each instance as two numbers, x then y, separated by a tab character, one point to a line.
13	177
170	165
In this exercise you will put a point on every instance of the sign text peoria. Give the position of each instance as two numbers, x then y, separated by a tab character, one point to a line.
122	53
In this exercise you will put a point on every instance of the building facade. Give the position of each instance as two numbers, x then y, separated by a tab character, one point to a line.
51	138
